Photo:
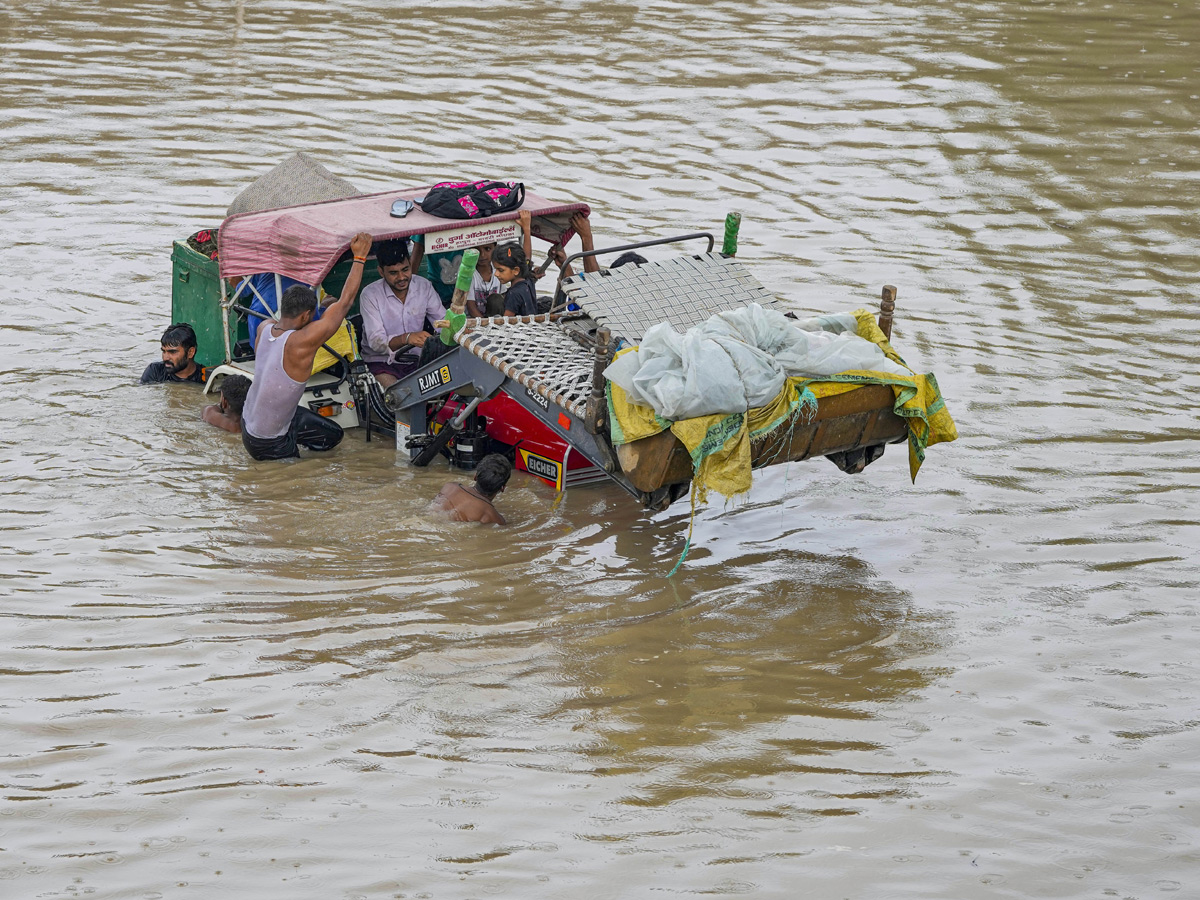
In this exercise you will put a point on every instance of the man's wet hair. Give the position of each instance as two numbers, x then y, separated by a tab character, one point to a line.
626	258
392	253
181	334
234	389
297	299
492	473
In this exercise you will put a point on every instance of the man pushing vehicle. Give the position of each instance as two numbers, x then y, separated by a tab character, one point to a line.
272	422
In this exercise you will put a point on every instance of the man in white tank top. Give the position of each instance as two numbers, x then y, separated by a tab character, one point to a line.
273	423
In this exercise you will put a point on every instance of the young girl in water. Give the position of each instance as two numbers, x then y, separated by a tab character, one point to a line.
511	266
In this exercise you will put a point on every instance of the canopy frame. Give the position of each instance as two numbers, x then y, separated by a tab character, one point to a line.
305	242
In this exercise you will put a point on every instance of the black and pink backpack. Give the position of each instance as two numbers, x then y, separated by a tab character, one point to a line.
472	199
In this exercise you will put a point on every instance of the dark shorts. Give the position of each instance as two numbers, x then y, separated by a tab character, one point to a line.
308	430
432	350
399	369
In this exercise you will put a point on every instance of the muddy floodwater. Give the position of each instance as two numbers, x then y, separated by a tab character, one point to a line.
226	679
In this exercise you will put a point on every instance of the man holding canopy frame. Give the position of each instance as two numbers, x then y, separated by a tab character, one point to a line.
272	422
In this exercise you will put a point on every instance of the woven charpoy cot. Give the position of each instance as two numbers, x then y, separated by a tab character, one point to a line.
682	290
536	353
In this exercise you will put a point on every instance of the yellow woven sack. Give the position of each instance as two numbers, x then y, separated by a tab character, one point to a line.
343	342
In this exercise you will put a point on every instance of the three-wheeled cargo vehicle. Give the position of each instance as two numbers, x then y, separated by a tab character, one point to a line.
532	387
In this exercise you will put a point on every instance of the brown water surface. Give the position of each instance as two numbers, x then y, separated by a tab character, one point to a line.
225	679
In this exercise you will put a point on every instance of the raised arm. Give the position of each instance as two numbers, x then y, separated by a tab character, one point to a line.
559	255
417	254
525	220
317	332
581	224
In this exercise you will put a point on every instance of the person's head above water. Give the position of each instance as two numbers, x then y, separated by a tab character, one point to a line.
233	393
510	263
298	300
181	334
492	474
178	347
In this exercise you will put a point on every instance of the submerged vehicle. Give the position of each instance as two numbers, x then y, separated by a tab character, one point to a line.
533	387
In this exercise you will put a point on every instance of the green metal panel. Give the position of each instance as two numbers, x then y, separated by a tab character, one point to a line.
196	299
338	274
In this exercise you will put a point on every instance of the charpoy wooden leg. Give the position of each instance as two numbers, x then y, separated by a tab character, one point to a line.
597	404
887	306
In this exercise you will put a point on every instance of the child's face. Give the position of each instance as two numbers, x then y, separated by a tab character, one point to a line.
485	252
505	274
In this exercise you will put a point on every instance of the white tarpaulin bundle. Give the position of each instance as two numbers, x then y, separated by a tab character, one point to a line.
739	360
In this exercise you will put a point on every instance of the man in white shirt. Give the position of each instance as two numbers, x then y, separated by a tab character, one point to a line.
395	312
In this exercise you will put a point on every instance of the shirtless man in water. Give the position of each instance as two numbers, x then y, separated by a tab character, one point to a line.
473	503
227	415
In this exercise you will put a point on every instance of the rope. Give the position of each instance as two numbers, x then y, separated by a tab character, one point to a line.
537	354
687	545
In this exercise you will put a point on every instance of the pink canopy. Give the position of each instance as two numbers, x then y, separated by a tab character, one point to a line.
304	242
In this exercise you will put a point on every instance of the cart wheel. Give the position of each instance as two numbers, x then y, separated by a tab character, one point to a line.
660	498
854	461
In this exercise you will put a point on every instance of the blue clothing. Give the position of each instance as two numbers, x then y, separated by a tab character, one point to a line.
264	283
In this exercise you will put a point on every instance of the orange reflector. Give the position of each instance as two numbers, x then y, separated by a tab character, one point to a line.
325	407
564	421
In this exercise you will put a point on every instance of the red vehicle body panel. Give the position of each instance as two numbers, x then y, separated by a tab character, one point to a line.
510	423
